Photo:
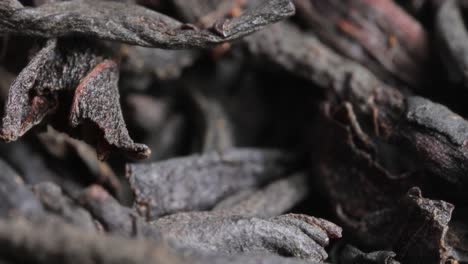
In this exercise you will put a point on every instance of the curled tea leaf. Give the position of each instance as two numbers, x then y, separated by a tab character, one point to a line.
116	218
377	34
27	105
198	182
288	235
96	100
131	24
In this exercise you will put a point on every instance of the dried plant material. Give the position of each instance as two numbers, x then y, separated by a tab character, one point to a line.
205	13
456	237
210	108
96	100
351	255
415	228
381	108
222	229
336	112
163	127
15	196
381	177
217	133
423	127
34	171
218	229
32	98
274	199
288	235
197	182
29	101
35	92
116	218
378	34
376	115
132	24
304	55
55	202
439	137
56	70
63	147
164	64
453	37
45	242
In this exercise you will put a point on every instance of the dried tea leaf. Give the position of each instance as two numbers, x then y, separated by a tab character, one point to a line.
48	242
192	230
51	241
456	238
198	182
360	173
439	137
217	129
51	76
163	127
380	108
164	64
378	34
212	100
351	255
56	68
452	35
15	196
35	170
274	199
289	235
26	106
415	228
64	148
55	202
305	56
35	166
424	128
205	13
116	218
96	100
132	24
